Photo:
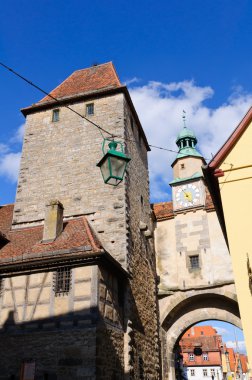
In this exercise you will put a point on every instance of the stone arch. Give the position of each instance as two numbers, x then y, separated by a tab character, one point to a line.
184	310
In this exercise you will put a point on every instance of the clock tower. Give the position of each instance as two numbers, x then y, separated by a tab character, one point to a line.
188	189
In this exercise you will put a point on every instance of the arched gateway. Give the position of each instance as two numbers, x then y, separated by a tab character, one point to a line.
193	262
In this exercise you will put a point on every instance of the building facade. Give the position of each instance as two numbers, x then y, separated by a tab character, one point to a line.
207	362
193	262
228	176
77	262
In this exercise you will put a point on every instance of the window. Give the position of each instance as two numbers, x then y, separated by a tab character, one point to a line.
204	372
55	115
132	123
205	357
90	109
62	281
191	357
212	371
194	261
192	372
182	166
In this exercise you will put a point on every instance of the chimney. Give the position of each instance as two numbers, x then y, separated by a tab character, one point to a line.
53	223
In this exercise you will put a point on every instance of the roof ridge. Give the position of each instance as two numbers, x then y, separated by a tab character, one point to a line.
90	234
89	67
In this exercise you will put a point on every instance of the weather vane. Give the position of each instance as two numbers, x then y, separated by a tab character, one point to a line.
184	118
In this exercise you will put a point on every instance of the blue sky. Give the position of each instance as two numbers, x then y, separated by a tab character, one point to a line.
174	55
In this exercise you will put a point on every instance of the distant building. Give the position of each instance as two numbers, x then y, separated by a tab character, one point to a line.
201	349
234	365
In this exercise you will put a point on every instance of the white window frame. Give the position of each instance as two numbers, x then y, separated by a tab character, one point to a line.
205	356
191	357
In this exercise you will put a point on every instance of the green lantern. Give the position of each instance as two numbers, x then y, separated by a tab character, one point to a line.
113	164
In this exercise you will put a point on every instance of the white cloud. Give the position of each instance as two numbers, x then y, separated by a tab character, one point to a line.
9	160
160	107
131	81
3	148
240	345
221	330
19	135
9	166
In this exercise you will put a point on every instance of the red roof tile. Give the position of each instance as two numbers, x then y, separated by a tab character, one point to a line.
85	81
163	210
197	331
26	243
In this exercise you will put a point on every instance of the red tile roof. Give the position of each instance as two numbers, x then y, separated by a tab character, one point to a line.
26	244
197	331
244	363
86	81
163	210
234	358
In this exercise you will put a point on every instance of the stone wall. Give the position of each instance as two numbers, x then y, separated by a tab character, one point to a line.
187	234
58	355
142	313
59	162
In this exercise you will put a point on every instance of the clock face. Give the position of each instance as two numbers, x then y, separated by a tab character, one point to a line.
188	195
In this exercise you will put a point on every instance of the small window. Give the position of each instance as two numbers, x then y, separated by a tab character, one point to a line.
192	372
205	356
204	372
212	371
55	115
62	282
194	261
142	201
132	123
202	333
90	109
191	357
182	166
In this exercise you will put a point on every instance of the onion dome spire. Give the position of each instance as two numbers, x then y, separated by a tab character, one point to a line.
186	142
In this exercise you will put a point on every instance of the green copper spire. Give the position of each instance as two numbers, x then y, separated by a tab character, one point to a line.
186	142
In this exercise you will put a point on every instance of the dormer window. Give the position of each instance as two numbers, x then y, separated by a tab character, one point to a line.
55	115
90	109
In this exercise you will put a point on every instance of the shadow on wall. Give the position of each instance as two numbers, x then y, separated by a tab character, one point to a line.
70	346
77	345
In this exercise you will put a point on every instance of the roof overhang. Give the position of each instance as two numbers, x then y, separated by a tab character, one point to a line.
35	265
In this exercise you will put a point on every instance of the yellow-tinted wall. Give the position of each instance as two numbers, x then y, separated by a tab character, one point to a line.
236	195
31	297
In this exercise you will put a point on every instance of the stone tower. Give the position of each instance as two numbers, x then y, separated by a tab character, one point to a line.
77	256
193	262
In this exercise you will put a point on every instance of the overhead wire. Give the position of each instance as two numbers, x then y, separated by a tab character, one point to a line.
101	129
